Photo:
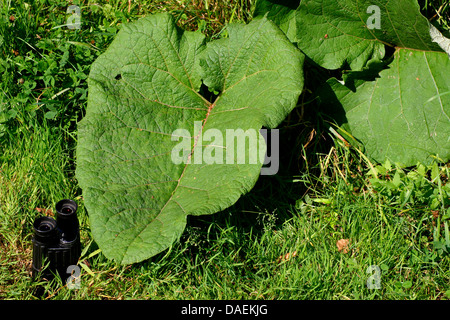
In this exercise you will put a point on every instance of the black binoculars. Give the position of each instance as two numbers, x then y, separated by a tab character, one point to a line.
57	242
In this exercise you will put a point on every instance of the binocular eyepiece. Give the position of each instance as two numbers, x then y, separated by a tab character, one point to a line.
57	242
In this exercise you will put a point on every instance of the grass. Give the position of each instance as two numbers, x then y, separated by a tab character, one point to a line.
286	253
437	11
278	242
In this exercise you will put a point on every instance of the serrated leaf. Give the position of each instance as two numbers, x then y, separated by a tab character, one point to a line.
145	96
404	115
334	33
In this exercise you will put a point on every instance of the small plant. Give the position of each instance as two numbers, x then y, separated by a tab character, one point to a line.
422	187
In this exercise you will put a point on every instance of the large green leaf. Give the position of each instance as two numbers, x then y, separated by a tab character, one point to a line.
338	32
395	116
282	13
404	115
145	103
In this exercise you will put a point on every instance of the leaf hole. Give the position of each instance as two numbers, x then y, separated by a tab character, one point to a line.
118	77
389	52
211	96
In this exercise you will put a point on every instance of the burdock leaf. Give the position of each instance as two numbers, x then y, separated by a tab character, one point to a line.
282	13
337	33
152	150
404	115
